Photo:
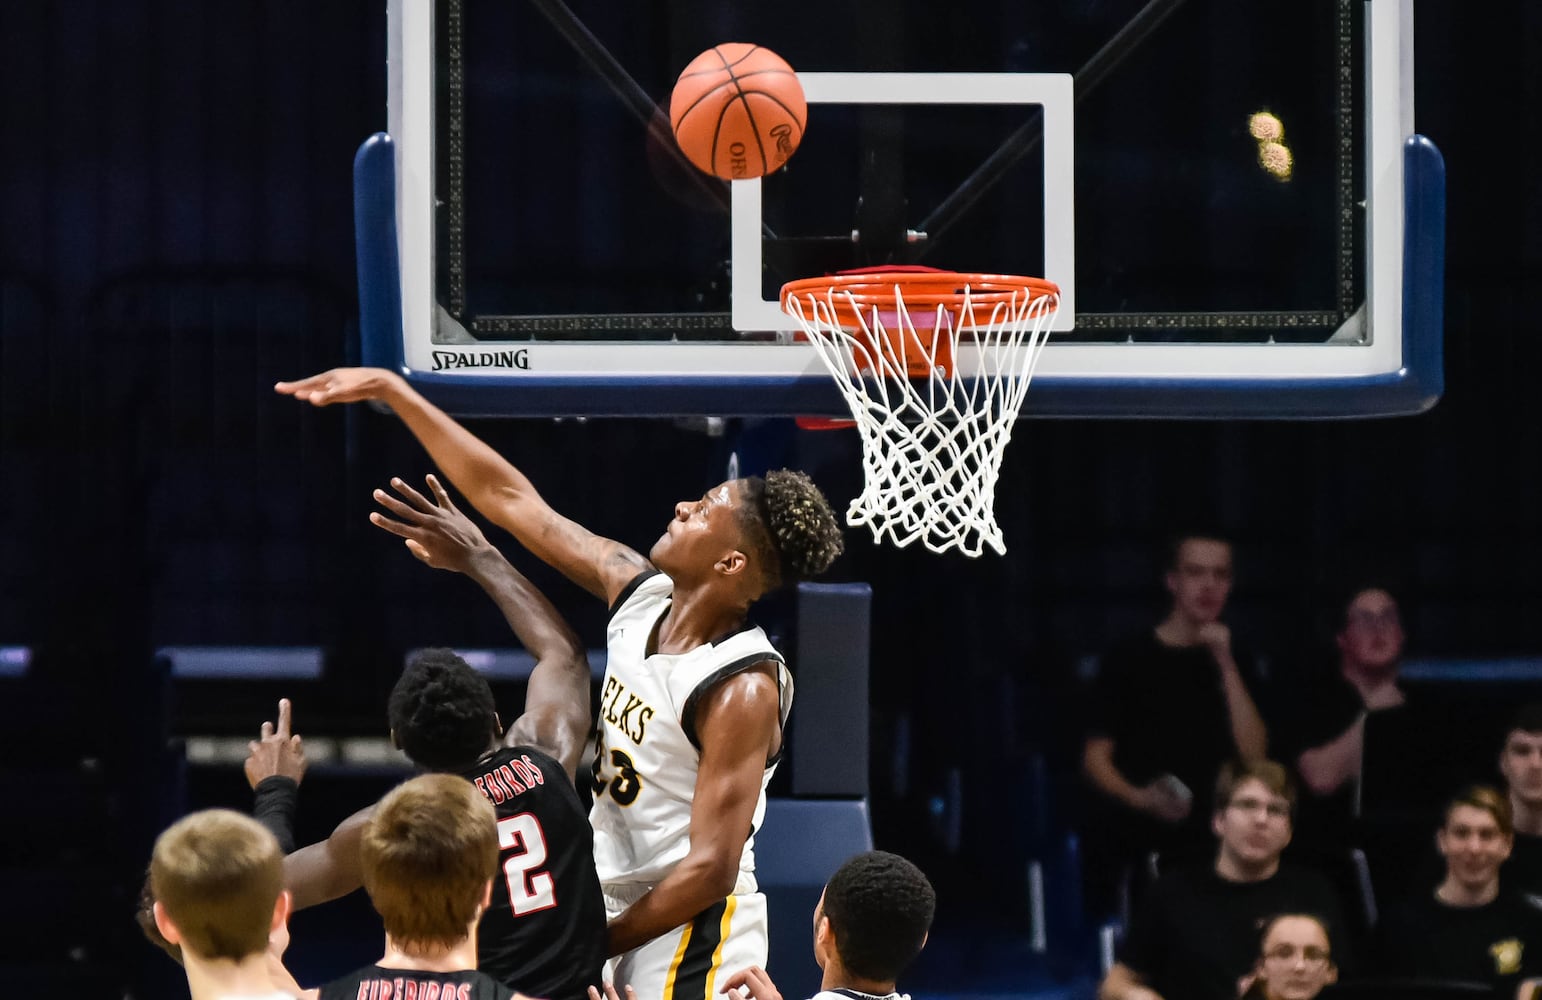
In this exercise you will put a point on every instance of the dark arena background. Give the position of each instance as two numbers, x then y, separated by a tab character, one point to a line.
176	235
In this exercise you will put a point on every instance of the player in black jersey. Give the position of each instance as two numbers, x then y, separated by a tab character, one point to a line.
544	932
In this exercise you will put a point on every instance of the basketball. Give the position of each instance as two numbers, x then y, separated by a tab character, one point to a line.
738	111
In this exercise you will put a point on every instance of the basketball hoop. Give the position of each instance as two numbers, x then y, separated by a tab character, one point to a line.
934	366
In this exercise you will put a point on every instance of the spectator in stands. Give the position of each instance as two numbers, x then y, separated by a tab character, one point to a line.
1468	929
1324	728
1169	707
1195	935
217	878
1295	960
1520	761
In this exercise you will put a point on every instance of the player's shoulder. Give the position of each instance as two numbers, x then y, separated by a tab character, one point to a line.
647	584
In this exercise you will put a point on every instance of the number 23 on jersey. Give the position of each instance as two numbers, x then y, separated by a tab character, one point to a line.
627	782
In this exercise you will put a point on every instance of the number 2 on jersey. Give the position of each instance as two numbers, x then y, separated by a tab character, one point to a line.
530	891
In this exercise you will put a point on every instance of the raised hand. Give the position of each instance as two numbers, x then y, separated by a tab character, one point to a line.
436	532
277	752
342	385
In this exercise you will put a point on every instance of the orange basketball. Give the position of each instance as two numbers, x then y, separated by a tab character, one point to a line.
738	111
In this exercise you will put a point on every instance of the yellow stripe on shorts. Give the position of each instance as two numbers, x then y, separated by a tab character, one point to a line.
717	953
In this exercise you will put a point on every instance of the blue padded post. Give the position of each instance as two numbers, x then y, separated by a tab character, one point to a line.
798	848
374	233
1424	267
827	739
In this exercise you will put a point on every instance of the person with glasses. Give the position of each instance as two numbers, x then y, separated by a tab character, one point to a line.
1369	642
1468	928
1295	960
1194	936
1323	713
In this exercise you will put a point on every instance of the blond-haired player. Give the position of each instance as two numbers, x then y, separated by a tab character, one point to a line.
218	882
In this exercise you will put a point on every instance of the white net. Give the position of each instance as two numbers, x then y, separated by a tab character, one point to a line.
934	405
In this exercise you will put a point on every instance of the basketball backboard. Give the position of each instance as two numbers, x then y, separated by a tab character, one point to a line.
530	245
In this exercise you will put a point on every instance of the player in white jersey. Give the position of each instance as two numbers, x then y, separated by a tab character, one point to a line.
672	924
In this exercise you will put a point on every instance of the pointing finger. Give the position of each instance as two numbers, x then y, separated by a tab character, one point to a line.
285	717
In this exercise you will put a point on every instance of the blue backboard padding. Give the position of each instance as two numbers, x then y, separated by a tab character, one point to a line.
374	225
802	841
243	662
1414	388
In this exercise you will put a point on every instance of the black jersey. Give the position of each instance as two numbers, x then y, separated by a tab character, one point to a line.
375	983
544	934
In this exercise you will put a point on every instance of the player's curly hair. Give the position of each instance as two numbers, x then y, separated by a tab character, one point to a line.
880	907
791	526
442	711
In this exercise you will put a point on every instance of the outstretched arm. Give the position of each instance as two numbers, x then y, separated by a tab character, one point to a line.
496	488
330	869
737	729
556	716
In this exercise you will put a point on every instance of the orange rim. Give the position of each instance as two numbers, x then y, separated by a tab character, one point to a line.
924	290
920	288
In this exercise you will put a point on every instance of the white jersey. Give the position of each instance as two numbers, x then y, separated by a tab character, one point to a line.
646	756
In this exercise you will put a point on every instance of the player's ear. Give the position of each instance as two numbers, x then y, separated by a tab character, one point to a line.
165	926
281	910
733	563
395	743
497	726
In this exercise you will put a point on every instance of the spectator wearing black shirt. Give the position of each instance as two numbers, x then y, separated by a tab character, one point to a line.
1195	935
1325	729
1169	707
1468	929
1520	761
